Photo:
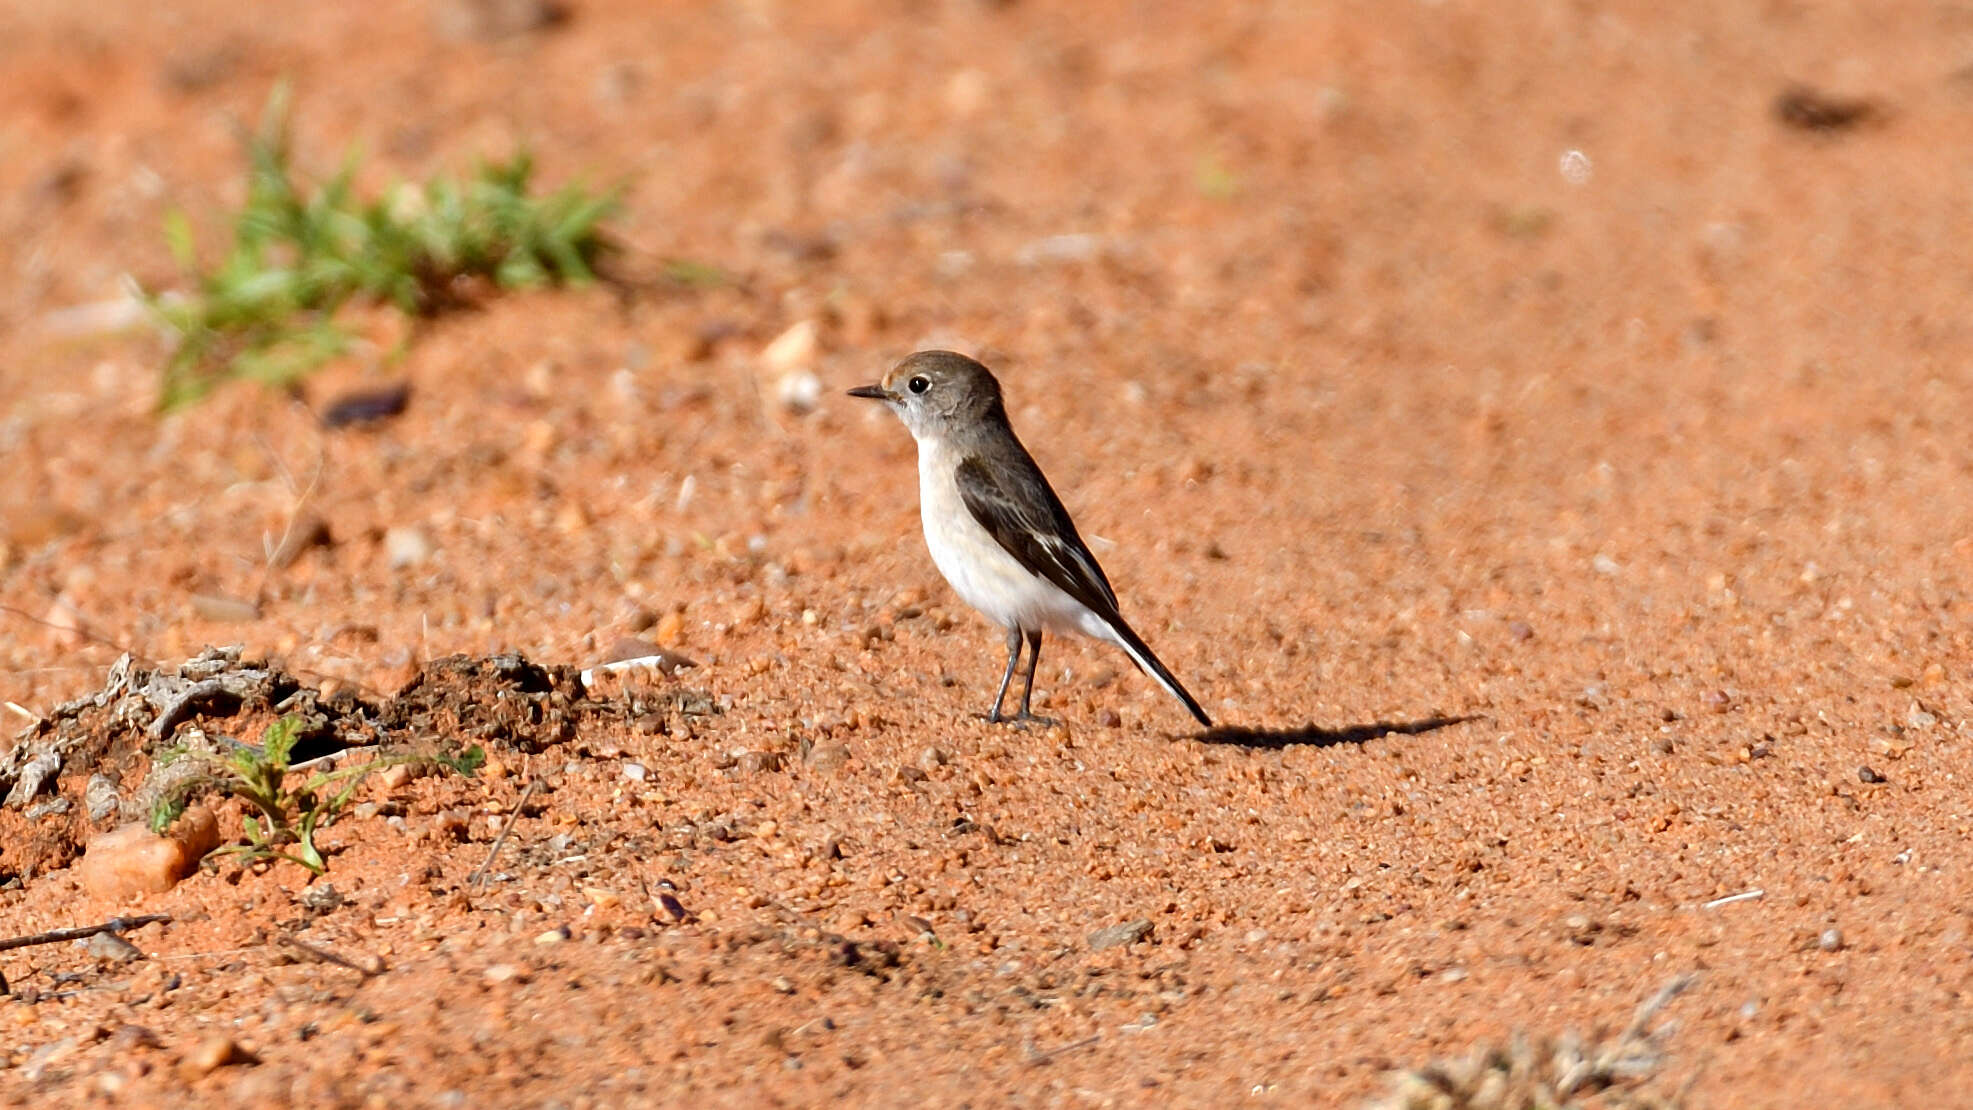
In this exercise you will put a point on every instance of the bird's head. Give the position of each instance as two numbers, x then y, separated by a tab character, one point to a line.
931	390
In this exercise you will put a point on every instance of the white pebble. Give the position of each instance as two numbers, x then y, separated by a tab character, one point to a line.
793	349
406	545
799	391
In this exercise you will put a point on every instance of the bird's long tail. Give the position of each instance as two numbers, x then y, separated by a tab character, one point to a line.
1141	654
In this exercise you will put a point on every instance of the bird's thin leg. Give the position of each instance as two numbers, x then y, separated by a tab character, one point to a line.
1013	656
1027	688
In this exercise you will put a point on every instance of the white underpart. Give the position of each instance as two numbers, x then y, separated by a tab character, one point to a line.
981	571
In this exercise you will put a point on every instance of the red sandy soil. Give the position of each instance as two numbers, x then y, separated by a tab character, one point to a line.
1519	362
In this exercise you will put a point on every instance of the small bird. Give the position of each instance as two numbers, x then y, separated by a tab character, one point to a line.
995	527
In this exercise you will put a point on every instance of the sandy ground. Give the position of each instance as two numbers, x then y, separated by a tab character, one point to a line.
1519	363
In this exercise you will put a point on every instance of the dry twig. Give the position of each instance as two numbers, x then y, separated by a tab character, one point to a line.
57	936
323	955
478	876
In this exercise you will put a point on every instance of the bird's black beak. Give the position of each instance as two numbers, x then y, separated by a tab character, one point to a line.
873	392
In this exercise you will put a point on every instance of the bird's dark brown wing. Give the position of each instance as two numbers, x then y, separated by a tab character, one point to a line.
1014	503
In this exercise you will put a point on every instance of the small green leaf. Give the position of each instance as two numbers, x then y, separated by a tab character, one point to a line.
279	740
168	809
468	762
179	239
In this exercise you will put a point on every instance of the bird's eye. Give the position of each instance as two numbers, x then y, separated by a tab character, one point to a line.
918	384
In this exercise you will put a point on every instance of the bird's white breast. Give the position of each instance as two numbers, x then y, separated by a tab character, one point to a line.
982	572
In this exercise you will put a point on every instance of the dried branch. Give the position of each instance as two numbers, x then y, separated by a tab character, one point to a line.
57	936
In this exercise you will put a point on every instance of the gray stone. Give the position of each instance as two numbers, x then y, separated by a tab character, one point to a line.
111	948
100	797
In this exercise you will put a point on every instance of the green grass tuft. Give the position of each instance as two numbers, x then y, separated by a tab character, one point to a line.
267	310
288	808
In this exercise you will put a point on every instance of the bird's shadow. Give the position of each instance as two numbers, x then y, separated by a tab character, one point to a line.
1313	736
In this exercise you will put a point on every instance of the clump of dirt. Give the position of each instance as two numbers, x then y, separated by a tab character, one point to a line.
92	761
93	756
33	845
503	700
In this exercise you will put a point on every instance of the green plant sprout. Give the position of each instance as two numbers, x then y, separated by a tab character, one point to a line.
267	311
291	808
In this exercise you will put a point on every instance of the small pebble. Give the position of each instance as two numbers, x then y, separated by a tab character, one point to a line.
134	860
671	628
100	797
792	350
450	824
1869	774
215	1052
366	406
799	391
634	772
506	973
1116	936
393	778
1831	940
129	1038
322	898
828	757
406	545
220	609
110	948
